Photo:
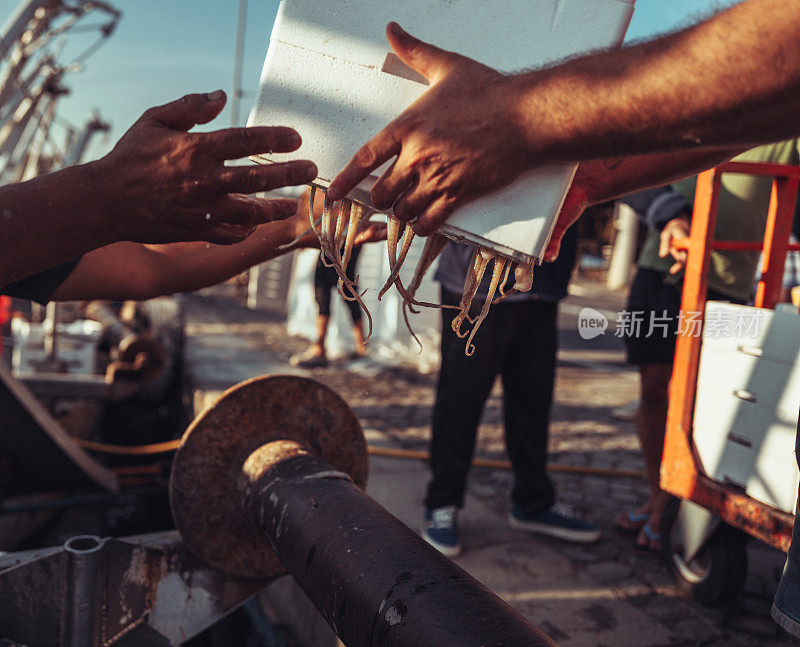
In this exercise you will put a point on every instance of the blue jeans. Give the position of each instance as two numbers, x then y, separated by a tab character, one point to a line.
786	607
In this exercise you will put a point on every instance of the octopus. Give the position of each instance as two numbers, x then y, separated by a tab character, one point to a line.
501	266
337	228
336	240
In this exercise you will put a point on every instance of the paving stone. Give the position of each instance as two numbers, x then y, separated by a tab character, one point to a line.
696	632
609	572
658	578
583	554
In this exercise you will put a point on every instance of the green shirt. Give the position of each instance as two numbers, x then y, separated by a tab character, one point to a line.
742	215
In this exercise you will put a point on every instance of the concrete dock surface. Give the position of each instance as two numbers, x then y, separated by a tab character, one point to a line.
604	594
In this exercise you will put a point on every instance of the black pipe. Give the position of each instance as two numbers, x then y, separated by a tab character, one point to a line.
374	580
84	598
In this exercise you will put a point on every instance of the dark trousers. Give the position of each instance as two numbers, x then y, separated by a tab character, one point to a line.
518	341
325	281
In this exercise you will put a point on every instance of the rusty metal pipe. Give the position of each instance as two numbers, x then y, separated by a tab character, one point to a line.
374	580
82	612
269	479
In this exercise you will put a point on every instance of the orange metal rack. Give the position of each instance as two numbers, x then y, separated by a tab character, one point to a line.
681	473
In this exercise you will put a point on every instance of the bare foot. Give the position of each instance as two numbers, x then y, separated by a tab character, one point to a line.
312	357
630	522
648	540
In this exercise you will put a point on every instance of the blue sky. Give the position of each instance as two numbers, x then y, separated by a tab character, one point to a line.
163	49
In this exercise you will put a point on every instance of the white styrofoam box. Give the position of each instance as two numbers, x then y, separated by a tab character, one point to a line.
770	479
771	385
76	347
742	443
720	417
747	402
324	76
773	334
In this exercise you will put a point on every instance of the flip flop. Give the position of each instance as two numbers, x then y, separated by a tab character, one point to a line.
647	549
636	522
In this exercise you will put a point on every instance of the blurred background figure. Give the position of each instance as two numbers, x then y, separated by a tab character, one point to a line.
517	341
655	295
325	281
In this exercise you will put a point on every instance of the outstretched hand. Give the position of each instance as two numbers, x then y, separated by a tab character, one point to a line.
594	182
457	142
575	203
162	183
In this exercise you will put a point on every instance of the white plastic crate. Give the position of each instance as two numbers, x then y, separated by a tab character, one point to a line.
329	73
748	397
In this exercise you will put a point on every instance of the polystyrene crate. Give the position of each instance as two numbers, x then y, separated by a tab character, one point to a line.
748	396
330	74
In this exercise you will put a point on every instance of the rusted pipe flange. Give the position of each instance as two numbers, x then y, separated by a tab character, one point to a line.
206	504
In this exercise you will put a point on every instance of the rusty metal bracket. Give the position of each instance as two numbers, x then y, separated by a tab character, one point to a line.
203	485
143	590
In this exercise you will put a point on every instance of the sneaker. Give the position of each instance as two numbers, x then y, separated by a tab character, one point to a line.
559	521
309	358
440	530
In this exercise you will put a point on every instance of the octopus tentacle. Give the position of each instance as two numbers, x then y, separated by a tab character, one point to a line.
393	226
314	223
501	288
497	271
434	244
325	239
505	278
357	297
480	260
408	238
356	215
506	294
342	222
330	242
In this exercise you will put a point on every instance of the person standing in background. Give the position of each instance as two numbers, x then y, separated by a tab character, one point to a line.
517	341
656	293
325	281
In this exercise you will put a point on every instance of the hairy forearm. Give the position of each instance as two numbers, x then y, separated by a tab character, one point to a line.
607	179
135	271
48	220
733	80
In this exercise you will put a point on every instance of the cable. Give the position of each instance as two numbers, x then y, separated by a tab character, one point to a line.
407	454
411	454
129	450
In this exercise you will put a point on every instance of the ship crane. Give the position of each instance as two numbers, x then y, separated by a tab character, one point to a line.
32	44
